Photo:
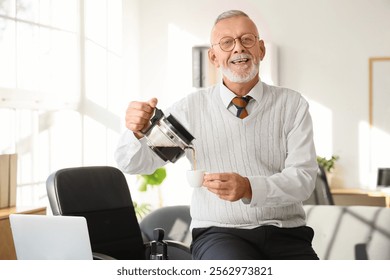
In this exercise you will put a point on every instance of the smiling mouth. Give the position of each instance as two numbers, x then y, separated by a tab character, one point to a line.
240	60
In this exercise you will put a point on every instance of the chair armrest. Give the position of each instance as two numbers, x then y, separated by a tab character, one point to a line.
178	245
100	256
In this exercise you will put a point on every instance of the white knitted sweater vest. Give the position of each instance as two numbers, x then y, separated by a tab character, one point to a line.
254	146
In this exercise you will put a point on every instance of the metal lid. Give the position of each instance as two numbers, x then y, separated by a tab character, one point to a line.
180	130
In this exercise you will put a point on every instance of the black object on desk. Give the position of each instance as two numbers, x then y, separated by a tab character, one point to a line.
383	177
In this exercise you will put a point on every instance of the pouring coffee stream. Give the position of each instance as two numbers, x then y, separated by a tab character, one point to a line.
193	157
167	137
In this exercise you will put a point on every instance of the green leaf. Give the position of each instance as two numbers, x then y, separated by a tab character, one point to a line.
156	178
152	180
143	186
327	164
141	210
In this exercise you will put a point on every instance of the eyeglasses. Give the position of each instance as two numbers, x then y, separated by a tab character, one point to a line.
227	44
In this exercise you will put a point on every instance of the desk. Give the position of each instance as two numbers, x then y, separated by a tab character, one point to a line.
7	248
348	196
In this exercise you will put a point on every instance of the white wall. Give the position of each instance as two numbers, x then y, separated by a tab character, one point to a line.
323	49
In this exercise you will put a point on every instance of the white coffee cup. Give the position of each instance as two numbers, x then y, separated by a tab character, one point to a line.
195	178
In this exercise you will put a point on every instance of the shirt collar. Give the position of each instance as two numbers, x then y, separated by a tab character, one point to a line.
227	95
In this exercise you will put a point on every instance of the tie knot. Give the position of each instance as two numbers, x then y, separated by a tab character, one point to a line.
241	102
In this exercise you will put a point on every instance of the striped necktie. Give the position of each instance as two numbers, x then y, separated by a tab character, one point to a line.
240	103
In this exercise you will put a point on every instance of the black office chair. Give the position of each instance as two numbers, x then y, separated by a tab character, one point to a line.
102	196
321	194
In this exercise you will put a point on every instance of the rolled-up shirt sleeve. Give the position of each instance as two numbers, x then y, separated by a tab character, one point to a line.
134	156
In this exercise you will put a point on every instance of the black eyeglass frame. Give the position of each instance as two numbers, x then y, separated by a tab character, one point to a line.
234	42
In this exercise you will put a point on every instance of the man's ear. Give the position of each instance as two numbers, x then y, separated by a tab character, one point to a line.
213	57
262	49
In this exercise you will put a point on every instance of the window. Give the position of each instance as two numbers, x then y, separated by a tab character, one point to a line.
60	86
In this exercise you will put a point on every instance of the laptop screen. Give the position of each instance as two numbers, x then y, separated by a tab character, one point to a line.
40	237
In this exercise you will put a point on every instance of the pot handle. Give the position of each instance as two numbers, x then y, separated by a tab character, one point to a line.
158	115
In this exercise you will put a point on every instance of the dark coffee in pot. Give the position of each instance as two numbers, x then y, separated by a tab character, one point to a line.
168	153
167	137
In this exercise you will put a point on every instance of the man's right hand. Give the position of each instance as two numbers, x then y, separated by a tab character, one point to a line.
138	115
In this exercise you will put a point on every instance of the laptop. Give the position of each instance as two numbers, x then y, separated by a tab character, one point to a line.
40	237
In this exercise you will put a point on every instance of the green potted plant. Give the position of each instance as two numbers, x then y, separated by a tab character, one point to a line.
327	164
147	182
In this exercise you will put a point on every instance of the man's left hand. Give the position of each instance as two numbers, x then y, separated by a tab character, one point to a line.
228	186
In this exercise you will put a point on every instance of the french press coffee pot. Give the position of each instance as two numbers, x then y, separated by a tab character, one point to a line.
167	137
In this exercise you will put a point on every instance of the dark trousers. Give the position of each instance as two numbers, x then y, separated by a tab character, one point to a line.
261	243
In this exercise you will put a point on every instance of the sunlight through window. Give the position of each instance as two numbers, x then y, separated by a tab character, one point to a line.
49	65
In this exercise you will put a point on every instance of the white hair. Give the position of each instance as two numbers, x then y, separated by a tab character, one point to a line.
230	14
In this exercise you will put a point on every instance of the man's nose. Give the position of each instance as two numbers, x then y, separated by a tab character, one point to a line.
238	47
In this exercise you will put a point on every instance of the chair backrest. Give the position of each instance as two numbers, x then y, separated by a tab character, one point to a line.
175	220
321	194
101	195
